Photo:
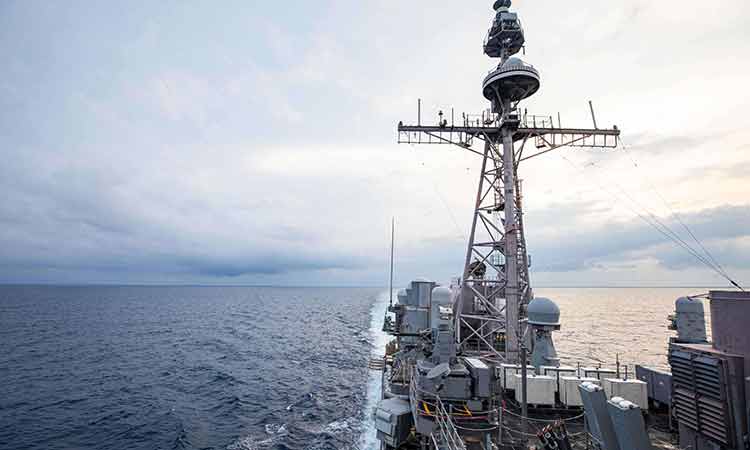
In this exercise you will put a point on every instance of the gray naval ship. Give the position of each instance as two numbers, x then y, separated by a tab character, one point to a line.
473	365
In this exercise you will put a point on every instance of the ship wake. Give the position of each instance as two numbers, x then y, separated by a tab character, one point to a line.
368	440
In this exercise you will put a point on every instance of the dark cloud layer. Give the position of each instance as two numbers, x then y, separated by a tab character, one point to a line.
716	228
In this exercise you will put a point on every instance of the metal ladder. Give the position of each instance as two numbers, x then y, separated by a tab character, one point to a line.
445	437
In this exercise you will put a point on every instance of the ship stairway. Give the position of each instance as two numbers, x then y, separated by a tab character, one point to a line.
445	436
376	363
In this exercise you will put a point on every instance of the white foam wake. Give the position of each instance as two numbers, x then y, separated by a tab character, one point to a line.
368	439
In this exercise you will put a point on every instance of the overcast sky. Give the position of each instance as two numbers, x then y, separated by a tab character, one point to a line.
254	142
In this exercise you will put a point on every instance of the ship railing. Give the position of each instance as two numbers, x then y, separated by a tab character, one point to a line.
536	121
446	435
377	363
547	133
487	119
413	398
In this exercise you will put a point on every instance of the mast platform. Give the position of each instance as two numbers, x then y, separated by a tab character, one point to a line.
464	135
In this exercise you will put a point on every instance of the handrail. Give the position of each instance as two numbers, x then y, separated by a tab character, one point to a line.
446	436
448	433
536	121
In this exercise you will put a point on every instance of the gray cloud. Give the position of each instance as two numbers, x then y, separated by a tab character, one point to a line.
136	147
617	242
665	144
98	220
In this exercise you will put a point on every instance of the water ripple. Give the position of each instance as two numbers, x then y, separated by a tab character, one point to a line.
181	368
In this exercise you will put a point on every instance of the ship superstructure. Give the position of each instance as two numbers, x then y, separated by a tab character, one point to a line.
472	364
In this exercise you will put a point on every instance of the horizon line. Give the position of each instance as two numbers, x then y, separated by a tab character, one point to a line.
334	286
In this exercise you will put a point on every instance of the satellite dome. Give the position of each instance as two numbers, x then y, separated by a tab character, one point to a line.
502	4
441	296
544	312
513	80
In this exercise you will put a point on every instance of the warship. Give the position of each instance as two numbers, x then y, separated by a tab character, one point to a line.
472	365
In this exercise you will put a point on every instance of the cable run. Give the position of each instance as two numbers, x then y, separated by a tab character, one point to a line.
669	232
658	225
653	221
674	213
439	195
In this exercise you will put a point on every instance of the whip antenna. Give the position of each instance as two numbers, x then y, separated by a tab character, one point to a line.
390	290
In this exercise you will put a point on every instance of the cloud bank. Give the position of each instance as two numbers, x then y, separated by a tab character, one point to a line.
190	143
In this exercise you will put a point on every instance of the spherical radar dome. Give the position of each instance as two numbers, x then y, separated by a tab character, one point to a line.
441	295
543	312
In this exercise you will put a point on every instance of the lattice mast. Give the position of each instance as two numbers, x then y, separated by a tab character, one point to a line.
489	312
508	279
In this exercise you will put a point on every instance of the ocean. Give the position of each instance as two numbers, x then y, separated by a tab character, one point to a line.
241	368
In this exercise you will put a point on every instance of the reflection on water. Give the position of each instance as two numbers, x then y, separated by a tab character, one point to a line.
600	323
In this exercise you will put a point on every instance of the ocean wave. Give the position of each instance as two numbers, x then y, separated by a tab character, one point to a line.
276	429
250	443
343	426
227	384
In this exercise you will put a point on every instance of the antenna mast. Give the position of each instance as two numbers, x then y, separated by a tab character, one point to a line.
489	313
390	290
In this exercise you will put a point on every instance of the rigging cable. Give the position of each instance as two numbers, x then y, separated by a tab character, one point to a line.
658	225
654	221
669	232
678	217
421	163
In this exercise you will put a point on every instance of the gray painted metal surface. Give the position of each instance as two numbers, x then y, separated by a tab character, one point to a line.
393	419
481	375
544	317
689	321
597	416
544	353
630	429
599	373
543	312
730	323
709	393
659	384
